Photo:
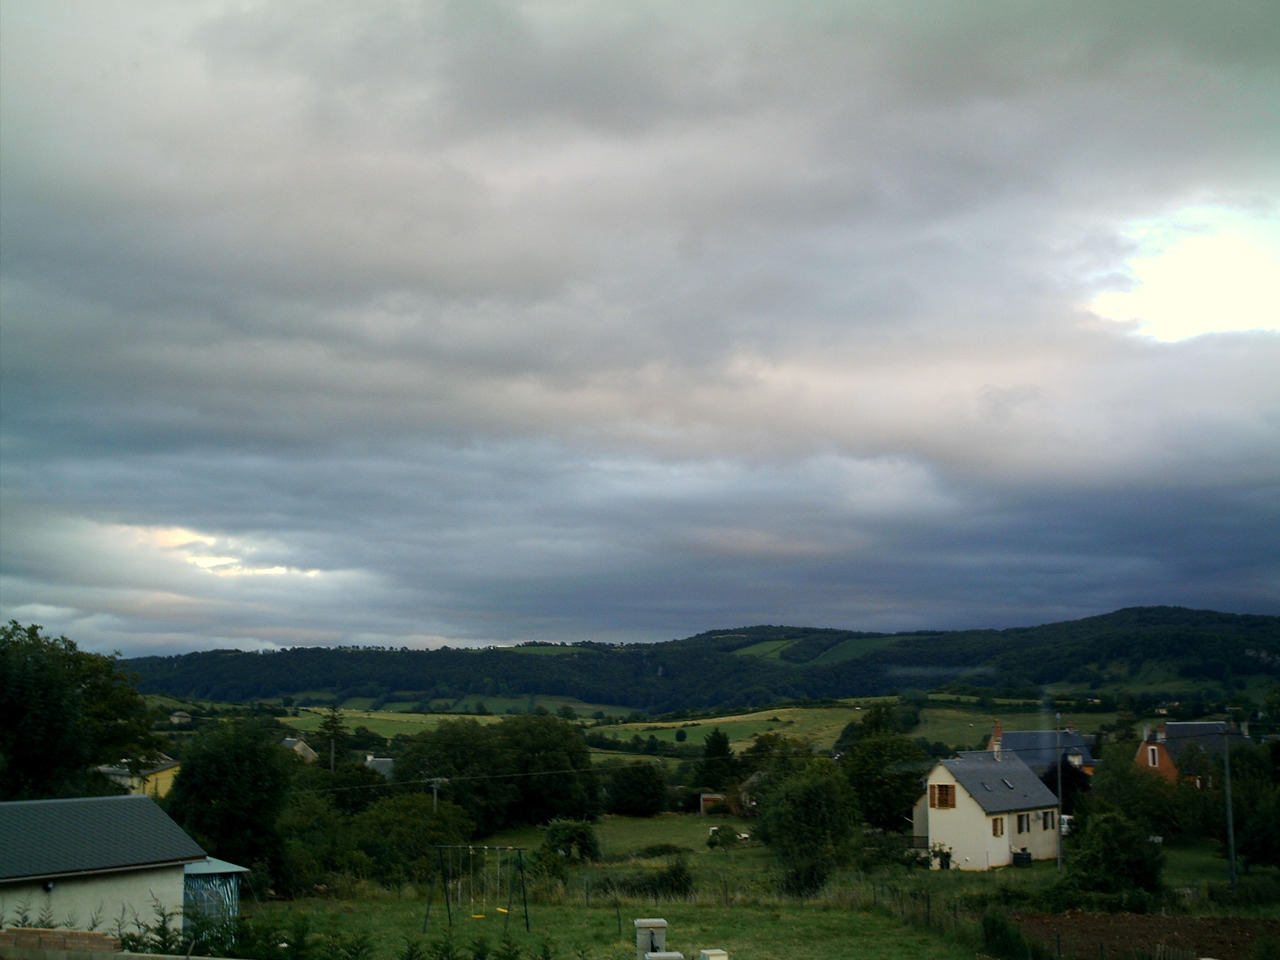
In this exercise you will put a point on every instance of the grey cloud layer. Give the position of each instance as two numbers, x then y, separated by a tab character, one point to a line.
497	321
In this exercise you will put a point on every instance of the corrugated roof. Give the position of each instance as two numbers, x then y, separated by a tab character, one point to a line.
212	865
51	838
999	786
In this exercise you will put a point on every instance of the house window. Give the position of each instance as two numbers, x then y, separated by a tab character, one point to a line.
1024	823
942	796
1050	819
1153	756
997	826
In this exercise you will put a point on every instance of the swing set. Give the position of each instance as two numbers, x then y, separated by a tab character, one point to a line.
477	881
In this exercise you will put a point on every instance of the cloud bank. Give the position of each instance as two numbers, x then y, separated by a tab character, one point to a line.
484	322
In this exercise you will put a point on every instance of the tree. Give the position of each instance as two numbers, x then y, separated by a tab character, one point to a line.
884	771
635	789
1112	854
718	768
351	784
467	763
333	731
809	822
63	710
1075	784
399	835
231	790
553	775
1144	797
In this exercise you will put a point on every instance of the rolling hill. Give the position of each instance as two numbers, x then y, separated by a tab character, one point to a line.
748	666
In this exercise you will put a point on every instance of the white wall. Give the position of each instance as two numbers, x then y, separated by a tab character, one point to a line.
74	902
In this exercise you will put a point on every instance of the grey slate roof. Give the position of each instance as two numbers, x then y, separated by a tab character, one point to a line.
383	765
1207	735
999	786
1038	749
40	839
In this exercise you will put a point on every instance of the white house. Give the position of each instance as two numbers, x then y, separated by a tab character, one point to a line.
85	862
982	808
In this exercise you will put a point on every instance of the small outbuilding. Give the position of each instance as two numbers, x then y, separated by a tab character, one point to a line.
88	861
212	889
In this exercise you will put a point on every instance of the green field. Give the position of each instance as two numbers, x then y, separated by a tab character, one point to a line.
854	647
819	725
970	728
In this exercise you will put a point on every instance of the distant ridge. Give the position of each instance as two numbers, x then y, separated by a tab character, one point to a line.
749	666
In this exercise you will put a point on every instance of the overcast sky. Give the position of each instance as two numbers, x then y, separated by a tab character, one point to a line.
421	323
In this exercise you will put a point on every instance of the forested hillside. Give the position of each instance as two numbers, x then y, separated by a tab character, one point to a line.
747	666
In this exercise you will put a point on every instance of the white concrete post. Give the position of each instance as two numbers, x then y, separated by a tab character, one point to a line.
651	936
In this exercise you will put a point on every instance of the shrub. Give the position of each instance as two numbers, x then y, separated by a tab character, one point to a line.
1002	937
659	850
573	840
672	882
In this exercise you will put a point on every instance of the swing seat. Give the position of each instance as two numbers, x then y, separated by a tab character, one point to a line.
477	916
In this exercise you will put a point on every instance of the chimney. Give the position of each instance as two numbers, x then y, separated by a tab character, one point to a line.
997	736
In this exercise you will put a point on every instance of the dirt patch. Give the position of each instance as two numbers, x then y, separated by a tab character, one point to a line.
1119	936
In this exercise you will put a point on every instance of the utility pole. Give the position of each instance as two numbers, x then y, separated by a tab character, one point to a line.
1231	830
1058	731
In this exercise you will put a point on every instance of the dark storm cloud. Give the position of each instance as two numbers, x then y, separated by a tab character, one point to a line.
414	323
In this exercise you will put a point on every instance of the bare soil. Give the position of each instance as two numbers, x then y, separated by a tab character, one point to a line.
1103	936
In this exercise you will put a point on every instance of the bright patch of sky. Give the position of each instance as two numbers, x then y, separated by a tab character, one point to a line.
1206	270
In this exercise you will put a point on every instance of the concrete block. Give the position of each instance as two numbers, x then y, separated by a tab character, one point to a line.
713	955
663	955
651	936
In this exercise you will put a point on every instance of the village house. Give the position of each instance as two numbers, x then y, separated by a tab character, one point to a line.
1166	750
153	780
983	809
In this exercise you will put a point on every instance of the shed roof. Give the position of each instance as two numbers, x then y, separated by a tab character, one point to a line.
999	785
212	865
57	838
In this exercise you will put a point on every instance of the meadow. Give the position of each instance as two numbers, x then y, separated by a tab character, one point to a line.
895	913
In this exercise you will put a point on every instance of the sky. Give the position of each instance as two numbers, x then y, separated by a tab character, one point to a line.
426	323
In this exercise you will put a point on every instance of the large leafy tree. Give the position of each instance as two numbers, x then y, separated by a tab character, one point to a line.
467	763
635	789
884	771
553	774
399	835
63	710
1112	854
231	790
809	820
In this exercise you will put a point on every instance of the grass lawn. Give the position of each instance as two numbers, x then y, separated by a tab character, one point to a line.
607	932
